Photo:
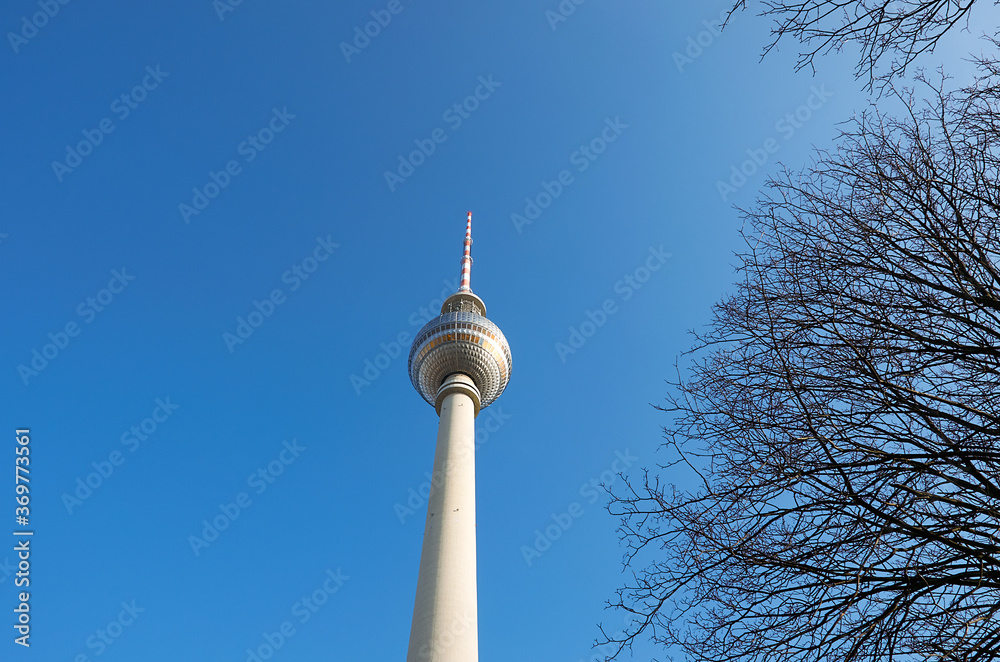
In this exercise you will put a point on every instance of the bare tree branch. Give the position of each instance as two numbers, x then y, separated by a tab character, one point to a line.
890	32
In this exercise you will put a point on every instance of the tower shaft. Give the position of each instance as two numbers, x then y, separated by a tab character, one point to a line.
445	619
459	362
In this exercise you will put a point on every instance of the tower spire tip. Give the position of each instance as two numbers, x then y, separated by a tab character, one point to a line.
466	279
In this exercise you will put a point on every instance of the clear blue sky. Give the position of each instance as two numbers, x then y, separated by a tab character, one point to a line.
259	109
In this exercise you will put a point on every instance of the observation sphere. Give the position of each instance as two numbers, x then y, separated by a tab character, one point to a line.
461	339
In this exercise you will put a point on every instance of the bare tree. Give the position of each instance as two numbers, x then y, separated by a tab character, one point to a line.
894	30
842	414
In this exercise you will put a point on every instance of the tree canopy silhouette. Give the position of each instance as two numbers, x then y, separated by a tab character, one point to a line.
842	413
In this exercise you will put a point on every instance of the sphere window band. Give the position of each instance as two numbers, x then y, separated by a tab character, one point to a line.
462	342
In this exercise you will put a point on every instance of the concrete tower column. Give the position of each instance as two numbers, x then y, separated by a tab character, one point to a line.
459	362
445	621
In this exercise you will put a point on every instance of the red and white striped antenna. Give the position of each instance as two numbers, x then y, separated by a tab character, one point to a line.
465	283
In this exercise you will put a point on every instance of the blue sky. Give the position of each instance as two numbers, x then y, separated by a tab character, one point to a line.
174	171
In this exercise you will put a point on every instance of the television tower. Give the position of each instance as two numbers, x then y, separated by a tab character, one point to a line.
459	362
